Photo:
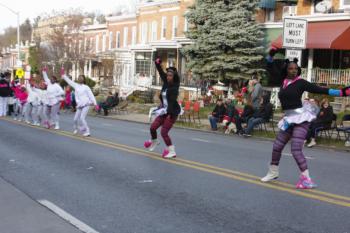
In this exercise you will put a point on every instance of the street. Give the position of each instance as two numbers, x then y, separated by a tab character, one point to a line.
110	183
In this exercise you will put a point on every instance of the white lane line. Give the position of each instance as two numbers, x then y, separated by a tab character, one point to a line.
290	155
144	130
66	216
200	140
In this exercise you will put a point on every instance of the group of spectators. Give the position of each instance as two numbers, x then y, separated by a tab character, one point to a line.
257	110
227	113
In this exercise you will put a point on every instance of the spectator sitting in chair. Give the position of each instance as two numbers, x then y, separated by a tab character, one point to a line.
323	121
261	116
231	115
110	102
217	114
247	113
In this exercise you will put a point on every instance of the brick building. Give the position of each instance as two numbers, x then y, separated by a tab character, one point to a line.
326	58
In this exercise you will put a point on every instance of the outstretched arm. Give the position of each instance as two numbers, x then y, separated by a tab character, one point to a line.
46	78
69	81
312	88
161	72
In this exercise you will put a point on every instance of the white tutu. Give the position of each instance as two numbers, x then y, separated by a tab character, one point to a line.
307	113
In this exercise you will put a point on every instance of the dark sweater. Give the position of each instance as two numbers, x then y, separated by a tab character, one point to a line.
5	89
172	92
325	116
219	111
265	112
290	96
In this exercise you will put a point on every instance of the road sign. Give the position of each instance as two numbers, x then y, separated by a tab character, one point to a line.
294	53
20	73
294	33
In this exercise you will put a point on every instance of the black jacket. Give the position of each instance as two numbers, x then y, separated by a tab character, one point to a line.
219	111
265	111
172	92
5	90
325	116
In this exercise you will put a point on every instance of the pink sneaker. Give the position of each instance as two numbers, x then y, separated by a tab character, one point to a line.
151	144
47	125
147	144
165	153
305	183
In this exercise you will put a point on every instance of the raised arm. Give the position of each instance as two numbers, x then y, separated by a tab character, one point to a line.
69	81
46	78
161	72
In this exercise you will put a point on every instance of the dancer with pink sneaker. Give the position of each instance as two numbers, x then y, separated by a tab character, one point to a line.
167	112
296	121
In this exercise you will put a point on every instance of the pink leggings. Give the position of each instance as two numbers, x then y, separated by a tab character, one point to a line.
167	122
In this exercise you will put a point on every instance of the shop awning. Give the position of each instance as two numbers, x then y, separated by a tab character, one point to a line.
267	4
325	35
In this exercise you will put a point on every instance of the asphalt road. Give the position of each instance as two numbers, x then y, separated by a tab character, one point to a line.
110	183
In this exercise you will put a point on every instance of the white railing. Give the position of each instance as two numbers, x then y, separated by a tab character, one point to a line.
328	76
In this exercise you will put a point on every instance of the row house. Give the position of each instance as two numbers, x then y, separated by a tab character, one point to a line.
9	56
128	44
326	59
270	15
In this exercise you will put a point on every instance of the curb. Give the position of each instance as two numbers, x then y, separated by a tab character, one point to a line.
219	133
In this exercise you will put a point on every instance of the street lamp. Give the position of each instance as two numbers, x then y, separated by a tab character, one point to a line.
18	34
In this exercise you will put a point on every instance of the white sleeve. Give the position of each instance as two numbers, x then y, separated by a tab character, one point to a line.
69	81
91	95
46	78
29	88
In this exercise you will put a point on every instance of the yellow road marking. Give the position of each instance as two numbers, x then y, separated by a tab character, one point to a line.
276	185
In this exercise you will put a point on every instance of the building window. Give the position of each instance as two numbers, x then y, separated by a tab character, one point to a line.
117	45
133	39
154	31
97	43
186	25
175	25
345	4
125	39
104	42
143	64
269	15
91	44
163	27
143	33
85	45
110	40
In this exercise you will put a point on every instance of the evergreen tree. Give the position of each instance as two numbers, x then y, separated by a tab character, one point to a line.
227	39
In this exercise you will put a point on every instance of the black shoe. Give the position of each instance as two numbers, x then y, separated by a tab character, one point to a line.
247	135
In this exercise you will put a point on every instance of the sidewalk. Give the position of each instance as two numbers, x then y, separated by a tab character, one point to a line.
20	214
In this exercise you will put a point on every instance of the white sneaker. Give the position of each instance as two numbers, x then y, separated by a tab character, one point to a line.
347	143
86	134
272	174
75	131
169	153
312	143
57	126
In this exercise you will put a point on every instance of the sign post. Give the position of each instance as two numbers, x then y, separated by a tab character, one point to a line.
20	73
294	33
294	37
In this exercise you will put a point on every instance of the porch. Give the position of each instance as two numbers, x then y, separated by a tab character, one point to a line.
328	76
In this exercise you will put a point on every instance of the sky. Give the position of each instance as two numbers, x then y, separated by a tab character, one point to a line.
32	8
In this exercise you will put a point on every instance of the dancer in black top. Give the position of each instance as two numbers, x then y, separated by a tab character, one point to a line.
167	112
295	124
